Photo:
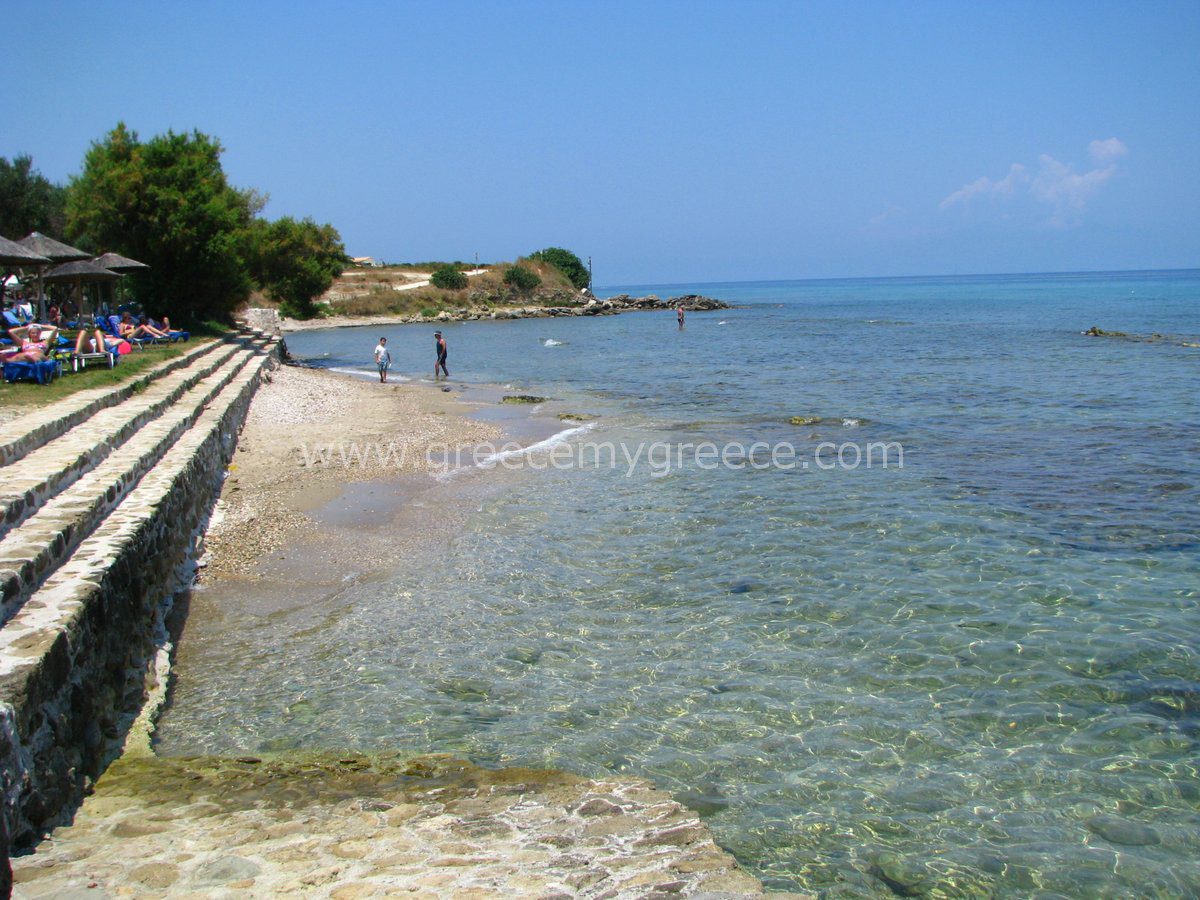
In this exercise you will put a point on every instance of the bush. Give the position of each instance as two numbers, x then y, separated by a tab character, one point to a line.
429	312
521	278
295	262
567	263
449	278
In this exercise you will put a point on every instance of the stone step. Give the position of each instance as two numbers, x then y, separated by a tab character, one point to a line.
31	551
28	432
41	474
73	658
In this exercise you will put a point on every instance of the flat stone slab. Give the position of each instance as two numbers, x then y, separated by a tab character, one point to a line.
363	826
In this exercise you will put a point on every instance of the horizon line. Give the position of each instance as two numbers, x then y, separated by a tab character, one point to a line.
903	277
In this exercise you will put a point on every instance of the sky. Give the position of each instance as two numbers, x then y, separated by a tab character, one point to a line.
670	142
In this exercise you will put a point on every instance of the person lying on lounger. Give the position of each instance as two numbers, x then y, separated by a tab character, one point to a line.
163	324
32	343
131	330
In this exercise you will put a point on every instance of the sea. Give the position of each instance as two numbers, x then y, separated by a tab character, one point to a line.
925	620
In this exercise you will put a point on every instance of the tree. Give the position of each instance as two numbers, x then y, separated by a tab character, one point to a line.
448	278
296	262
167	203
567	263
28	201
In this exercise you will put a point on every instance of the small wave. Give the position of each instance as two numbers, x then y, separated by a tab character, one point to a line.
851	423
722	322
366	374
490	461
552	441
551	342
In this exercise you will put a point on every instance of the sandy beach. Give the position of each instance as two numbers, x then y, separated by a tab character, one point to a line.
273	488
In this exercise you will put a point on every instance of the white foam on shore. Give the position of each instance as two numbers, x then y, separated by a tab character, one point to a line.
494	459
366	374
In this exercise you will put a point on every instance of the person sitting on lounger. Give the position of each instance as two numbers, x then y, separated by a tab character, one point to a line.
131	330
31	343
96	342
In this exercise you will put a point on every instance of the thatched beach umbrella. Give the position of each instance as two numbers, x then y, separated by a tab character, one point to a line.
115	262
14	254
53	250
79	272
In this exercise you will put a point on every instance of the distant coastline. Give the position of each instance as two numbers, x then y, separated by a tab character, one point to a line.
589	306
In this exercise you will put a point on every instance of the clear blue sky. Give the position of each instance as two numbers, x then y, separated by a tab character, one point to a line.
669	141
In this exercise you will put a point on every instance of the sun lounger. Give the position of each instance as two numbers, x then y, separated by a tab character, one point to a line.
80	360
42	372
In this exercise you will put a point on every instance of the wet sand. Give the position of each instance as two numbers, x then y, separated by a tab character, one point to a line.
309	435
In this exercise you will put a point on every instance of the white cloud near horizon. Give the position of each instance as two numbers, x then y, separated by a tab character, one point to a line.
1107	151
1055	184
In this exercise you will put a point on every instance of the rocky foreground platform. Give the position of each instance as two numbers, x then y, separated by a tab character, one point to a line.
358	826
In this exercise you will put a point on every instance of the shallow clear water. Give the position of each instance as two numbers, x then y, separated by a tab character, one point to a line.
977	674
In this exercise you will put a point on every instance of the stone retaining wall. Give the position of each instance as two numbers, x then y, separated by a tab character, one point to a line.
63	716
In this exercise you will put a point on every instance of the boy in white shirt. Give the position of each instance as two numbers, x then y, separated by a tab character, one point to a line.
383	359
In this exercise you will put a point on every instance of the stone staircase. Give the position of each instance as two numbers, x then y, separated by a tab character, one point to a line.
99	497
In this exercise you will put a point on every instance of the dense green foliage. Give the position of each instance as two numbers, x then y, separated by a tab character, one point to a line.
449	278
167	203
28	201
521	278
296	262
567	263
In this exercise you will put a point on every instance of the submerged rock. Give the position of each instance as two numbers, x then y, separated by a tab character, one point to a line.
744	586
522	398
575	417
1122	831
902	876
804	420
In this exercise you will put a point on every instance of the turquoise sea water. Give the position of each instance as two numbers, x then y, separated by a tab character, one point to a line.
978	674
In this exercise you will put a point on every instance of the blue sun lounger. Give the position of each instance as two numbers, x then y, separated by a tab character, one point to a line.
42	372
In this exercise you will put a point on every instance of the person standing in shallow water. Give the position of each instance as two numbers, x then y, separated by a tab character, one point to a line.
383	359
679	315
440	345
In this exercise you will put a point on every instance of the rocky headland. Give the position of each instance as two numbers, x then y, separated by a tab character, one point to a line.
483	305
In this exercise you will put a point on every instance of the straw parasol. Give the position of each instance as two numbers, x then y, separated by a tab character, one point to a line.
77	272
14	254
117	263
55	251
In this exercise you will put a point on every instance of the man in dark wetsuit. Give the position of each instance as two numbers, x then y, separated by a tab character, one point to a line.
440	344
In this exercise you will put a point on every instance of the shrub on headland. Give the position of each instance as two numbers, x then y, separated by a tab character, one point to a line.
449	278
567	263
521	278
